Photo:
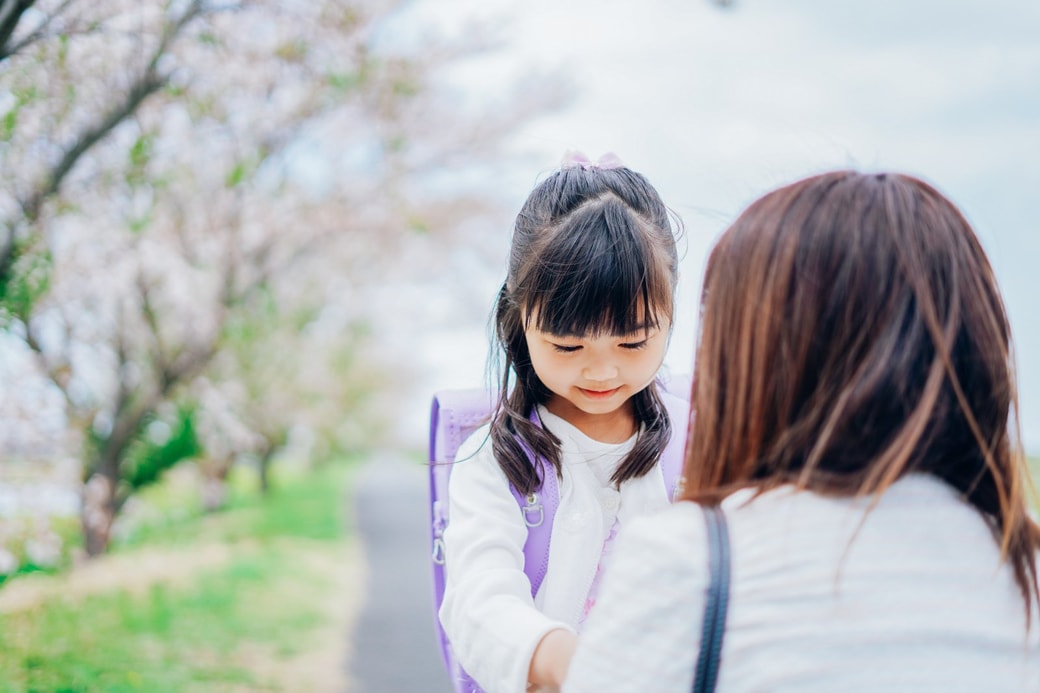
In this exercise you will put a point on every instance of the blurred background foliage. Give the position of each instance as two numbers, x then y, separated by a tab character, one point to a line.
198	199
195	195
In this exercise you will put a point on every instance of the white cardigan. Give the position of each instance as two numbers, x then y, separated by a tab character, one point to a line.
919	601
487	612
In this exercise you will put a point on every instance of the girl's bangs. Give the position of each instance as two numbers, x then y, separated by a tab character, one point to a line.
600	276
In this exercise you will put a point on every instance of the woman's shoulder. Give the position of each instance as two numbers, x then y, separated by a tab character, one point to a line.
919	515
668	529
666	548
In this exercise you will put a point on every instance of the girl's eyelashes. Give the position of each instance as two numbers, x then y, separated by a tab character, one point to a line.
571	348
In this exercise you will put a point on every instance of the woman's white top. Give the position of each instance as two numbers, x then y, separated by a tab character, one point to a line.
487	612
910	597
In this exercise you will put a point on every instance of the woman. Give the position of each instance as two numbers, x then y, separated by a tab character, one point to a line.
852	399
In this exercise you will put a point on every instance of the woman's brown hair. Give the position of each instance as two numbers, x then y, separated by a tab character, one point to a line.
852	332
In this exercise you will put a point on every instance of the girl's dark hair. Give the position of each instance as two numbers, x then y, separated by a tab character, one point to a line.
852	332
593	253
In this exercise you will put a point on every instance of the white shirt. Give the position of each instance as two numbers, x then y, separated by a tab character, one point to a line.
487	612
918	601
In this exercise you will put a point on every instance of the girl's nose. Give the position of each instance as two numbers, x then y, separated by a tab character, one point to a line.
600	371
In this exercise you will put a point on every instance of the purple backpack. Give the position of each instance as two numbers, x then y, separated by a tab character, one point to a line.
455	414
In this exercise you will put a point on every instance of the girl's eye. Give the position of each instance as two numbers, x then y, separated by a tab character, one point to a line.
633	346
565	349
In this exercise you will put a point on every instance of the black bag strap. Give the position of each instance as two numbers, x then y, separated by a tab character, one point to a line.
716	605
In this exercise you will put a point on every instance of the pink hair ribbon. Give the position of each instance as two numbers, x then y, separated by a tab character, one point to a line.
576	159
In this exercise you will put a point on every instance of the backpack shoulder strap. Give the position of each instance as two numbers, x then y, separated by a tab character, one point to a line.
539	511
674	454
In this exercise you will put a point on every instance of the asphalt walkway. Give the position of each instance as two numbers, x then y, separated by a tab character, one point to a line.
395	647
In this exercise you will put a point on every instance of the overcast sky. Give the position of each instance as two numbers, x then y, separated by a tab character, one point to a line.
718	106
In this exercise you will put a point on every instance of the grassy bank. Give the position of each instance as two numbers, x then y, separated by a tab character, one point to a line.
254	598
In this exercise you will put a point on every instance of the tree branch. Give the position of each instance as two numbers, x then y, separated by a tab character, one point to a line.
58	373
11	12
6	49
159	352
147	83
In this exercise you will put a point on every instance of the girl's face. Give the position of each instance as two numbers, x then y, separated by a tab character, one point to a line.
592	378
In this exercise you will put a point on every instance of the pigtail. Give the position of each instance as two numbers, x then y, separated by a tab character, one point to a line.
655	432
514	437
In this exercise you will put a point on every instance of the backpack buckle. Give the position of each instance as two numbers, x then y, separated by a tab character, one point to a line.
438	551
533	506
440	523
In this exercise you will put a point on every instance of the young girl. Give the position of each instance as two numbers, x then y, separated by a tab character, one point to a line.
852	393
582	321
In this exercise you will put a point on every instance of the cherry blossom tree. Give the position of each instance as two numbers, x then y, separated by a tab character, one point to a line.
191	192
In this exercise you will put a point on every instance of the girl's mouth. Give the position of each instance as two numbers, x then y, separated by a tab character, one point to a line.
598	394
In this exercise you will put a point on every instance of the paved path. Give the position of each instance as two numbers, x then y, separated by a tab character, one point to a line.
395	649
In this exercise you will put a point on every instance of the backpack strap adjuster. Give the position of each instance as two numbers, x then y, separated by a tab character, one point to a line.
533	506
438	551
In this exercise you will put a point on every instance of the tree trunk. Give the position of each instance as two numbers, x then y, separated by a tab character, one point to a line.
214	484
264	467
98	513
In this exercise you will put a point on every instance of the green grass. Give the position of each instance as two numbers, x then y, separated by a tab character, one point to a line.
201	635
166	640
299	504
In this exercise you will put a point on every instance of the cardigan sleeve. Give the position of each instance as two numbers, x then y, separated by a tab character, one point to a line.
487	612
644	632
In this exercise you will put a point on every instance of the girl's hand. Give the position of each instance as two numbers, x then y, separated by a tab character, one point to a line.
552	658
